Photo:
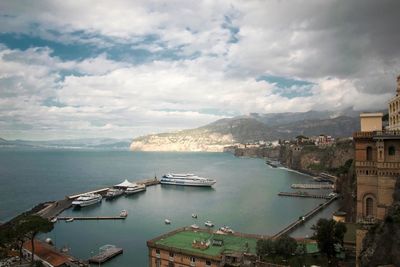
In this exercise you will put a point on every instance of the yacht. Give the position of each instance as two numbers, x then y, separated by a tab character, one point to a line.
113	193
186	179
86	200
135	188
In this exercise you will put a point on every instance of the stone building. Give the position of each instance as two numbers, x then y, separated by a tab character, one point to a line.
377	164
394	109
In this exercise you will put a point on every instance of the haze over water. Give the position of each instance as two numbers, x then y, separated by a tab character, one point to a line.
244	197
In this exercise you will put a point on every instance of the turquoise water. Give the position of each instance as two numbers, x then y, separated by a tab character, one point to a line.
244	197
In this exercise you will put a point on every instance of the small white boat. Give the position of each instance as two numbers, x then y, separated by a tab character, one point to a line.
123	214
226	229
69	220
194	226
54	220
194	216
167	221
209	224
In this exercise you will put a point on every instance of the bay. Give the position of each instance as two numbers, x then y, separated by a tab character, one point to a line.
244	197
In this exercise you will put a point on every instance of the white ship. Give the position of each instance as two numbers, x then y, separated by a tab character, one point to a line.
186	179
113	193
134	188
86	200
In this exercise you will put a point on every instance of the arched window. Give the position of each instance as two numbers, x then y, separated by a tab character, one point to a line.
392	151
369	153
369	207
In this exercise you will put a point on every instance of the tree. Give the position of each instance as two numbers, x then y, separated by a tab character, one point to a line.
32	225
285	246
328	233
265	247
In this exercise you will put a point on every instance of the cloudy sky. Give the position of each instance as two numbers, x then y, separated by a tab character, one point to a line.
71	69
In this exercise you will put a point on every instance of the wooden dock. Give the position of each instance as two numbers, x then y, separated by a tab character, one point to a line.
288	229
313	186
92	218
106	255
303	194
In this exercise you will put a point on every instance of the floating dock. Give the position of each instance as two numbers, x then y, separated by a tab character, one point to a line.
313	186
106	255
304	194
92	218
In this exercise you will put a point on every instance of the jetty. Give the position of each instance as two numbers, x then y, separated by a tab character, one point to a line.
101	191
306	195
149	182
313	186
107	252
288	229
92	218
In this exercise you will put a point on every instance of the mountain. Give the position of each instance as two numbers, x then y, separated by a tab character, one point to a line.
253	127
88	143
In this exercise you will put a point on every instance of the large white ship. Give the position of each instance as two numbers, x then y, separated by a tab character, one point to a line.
86	200
186	179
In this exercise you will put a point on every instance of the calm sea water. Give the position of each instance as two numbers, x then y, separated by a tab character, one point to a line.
244	197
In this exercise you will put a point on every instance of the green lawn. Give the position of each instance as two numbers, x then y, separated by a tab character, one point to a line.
183	240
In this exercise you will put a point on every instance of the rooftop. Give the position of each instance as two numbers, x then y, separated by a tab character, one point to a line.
182	240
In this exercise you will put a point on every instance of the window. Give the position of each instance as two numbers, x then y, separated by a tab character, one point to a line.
369	207
158	262
171	264
369	153
171	254
157	251
208	263
392	151
193	259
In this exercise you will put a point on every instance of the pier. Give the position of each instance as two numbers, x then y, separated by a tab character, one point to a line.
149	182
288	229
106	255
98	191
313	186
92	218
305	195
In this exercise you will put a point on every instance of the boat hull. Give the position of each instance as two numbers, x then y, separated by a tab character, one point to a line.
130	192
86	203
186	183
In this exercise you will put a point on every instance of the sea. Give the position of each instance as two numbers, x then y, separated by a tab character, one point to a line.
244	197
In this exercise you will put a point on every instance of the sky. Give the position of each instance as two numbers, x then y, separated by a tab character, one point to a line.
121	69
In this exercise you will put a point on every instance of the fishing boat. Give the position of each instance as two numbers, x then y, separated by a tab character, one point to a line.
186	179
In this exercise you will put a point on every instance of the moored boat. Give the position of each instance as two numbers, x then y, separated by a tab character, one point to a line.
226	229
113	193
69	220
167	221
186	179
86	200
194	215
209	224
194	226
123	214
135	188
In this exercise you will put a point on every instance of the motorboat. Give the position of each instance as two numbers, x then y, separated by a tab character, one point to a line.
123	214
194	226
186	179
69	220
135	188
113	193
167	221
194	216
86	200
54	220
209	224
226	229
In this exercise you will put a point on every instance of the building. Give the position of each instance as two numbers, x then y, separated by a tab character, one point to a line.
201	248
377	165
394	109
49	256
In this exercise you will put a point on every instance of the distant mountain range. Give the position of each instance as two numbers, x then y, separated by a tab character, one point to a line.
253	127
88	143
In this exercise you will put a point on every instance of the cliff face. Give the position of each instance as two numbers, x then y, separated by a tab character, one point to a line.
382	242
